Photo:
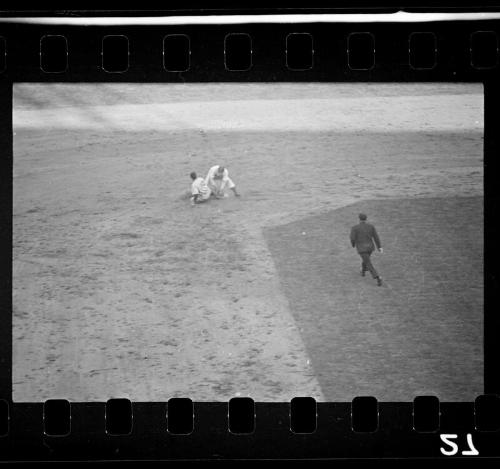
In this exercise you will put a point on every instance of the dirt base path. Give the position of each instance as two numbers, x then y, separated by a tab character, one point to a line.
123	289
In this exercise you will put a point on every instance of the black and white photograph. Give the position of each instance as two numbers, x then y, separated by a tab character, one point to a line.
263	240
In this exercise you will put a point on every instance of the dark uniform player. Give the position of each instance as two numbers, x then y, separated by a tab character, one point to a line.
362	237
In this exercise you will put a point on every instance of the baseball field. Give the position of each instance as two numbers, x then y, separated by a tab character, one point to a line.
122	289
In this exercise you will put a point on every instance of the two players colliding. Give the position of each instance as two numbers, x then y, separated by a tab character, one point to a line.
213	185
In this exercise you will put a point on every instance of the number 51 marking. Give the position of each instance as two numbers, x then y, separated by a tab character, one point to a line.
448	438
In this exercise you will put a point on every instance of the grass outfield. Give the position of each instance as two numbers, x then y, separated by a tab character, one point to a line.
408	337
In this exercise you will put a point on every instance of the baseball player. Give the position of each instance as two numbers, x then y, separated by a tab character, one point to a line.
200	192
218	179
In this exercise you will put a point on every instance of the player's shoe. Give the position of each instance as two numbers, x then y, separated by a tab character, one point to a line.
362	272
379	281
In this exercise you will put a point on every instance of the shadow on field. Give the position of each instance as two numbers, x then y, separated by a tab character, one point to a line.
422	332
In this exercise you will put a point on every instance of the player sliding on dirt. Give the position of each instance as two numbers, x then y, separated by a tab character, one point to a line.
200	192
218	179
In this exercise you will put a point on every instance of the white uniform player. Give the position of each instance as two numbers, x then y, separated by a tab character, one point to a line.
218	179
200	192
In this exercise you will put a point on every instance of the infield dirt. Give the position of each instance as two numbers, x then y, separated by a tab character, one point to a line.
121	289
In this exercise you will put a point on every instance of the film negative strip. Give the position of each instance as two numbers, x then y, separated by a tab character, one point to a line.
249	237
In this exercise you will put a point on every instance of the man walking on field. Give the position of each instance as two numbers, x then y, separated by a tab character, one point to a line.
362	237
217	179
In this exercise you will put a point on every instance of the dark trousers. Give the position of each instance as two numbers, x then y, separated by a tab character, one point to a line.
366	264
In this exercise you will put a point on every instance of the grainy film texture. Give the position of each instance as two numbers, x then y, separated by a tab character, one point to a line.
125	285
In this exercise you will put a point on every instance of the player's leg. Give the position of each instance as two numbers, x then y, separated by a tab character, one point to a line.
368	264
363	267
211	185
373	271
365	258
204	196
218	189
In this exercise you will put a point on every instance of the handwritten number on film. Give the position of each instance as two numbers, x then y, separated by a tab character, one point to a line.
452	449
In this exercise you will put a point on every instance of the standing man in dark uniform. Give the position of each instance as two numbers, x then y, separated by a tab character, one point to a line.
362	237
